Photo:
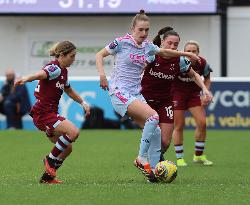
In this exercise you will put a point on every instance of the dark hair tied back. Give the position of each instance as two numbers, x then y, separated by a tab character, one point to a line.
164	30
157	39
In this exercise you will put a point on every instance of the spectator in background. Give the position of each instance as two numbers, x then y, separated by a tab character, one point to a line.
97	120
14	103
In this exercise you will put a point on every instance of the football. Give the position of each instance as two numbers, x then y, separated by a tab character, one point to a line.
166	171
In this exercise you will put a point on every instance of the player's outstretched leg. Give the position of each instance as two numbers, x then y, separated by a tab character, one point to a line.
141	162
154	151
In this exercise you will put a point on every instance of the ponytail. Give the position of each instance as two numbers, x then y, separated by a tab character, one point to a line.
157	39
52	50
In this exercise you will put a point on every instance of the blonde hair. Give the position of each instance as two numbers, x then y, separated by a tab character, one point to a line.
192	42
141	16
63	47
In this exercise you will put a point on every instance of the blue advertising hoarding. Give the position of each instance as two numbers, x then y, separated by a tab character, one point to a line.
230	108
87	88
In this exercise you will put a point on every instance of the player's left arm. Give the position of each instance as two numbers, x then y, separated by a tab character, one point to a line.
207	77
198	80
41	75
76	97
207	81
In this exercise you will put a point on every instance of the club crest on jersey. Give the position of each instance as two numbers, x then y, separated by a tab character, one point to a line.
172	66
113	44
59	85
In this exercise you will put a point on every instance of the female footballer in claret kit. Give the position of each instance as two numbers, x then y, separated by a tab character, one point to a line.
53	81
188	96
158	80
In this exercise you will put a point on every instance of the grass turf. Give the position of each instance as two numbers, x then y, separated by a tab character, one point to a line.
100	171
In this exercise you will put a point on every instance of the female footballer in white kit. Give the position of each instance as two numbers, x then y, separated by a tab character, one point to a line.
131	52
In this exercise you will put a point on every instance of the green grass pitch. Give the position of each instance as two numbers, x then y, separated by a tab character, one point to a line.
100	171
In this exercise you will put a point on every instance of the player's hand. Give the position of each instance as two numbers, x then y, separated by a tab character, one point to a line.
86	107
206	97
104	82
194	58
19	81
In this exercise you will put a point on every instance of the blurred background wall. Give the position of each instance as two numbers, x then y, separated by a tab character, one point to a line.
26	39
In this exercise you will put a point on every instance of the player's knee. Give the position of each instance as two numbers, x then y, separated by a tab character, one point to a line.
156	117
153	119
178	127
201	125
74	134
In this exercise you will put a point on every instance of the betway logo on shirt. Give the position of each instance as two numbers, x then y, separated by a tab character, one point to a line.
161	75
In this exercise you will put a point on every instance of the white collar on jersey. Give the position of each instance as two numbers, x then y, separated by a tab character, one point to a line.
139	46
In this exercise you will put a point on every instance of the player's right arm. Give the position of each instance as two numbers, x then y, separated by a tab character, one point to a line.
169	53
111	49
174	53
41	75
207	96
99	64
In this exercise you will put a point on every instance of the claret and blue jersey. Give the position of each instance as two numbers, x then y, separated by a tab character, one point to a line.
185	82
48	92
159	75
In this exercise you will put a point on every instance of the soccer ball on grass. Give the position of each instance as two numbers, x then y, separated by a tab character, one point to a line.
166	171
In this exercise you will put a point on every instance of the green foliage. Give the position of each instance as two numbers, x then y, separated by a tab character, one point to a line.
100	171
